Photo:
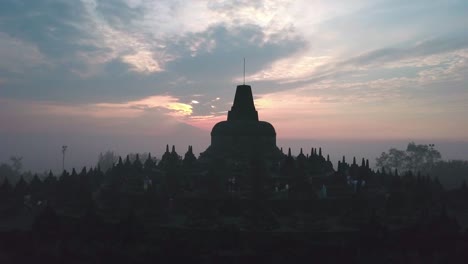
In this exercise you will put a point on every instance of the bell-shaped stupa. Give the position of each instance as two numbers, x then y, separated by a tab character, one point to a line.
242	136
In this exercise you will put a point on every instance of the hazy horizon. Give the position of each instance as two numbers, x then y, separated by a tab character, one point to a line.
79	155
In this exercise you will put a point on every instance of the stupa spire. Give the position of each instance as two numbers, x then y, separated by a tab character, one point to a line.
243	107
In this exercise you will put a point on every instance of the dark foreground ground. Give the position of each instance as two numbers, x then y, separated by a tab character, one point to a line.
68	240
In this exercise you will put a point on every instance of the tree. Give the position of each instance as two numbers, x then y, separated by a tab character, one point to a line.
395	159
16	163
416	157
7	172
421	157
451	173
107	160
11	172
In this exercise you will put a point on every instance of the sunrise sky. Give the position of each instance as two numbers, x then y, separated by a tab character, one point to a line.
133	75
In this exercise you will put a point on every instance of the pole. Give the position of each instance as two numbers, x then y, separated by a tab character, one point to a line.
244	71
64	149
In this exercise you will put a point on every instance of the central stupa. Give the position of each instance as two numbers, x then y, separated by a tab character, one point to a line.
242	136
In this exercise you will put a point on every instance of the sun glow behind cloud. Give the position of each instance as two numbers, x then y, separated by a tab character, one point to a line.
99	114
168	104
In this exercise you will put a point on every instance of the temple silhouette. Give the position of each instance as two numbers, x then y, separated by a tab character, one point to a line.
243	136
241	201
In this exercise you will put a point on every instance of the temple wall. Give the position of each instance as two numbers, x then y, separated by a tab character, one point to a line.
243	142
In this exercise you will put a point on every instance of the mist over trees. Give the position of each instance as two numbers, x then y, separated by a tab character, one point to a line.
452	173
416	158
107	160
424	159
12	170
